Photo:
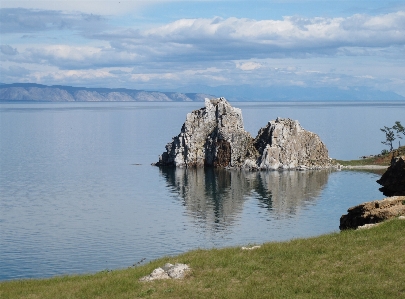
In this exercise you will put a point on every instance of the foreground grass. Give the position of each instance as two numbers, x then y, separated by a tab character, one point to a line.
351	264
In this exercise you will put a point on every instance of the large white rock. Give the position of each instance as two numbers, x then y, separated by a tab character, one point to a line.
284	144
211	136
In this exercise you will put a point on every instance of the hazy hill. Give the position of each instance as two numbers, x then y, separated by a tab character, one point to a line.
296	93
59	93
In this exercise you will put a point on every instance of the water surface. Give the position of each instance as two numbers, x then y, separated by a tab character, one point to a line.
78	193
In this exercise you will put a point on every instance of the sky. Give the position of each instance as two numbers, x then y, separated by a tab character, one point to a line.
166	45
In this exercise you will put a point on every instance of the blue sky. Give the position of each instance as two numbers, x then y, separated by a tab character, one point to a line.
165	45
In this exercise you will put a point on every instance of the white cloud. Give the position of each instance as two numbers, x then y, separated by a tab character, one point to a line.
213	39
63	52
342	51
20	20
104	7
14	71
289	33
248	66
242	39
74	57
82	74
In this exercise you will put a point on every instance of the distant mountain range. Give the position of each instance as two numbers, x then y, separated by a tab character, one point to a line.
57	93
297	94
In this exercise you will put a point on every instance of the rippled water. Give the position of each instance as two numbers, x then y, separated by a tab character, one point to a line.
78	193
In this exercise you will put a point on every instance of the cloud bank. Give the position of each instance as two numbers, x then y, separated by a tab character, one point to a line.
319	51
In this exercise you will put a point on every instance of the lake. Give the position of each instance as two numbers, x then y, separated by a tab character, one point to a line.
78	193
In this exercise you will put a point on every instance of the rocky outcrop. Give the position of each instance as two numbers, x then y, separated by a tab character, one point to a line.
284	144
373	212
393	180
211	136
215	136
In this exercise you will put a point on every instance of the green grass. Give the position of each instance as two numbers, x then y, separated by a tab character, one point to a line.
361	162
350	264
383	160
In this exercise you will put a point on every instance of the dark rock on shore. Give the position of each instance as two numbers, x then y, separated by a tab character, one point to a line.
393	180
215	136
373	212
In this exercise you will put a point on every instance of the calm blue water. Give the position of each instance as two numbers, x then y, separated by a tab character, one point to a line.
78	193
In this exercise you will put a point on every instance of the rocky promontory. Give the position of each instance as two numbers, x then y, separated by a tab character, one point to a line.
215	136
370	213
373	212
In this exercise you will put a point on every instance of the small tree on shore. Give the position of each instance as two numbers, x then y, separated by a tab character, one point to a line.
389	136
400	130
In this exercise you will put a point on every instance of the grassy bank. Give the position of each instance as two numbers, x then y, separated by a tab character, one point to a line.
384	160
351	264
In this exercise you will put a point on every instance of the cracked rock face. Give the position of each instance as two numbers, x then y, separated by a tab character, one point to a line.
284	144
215	136
211	136
373	212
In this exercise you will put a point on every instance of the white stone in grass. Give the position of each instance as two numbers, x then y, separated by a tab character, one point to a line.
178	271
158	273
366	226
168	271
250	248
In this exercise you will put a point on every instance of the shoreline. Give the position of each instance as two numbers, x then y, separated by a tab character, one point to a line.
364	167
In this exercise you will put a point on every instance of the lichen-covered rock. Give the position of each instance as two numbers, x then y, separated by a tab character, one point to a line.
284	144
215	136
211	136
373	212
393	180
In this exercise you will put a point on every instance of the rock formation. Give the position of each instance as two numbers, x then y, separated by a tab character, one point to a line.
393	180
215	136
373	212
284	144
211	136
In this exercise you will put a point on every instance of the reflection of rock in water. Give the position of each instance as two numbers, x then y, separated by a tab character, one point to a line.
212	195
216	197
284	192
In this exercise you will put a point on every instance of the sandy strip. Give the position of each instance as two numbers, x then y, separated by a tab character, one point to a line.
365	167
